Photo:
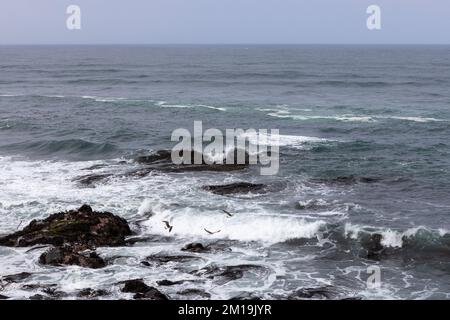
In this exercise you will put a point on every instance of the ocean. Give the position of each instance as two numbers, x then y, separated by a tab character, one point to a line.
364	150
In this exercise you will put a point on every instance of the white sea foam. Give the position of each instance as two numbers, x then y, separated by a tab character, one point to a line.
9	95
349	117
164	104
258	138
390	238
104	99
414	119
269	228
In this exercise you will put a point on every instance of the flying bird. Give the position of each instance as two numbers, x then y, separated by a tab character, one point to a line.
210	232
168	226
228	213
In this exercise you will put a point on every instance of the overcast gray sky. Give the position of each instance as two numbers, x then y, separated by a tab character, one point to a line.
224	21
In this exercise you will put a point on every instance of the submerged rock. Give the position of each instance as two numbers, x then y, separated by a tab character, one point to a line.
91	179
160	155
70	255
82	226
195	247
246	296
232	188
224	274
163	259
91	293
16	277
52	292
166	282
142	291
161	161
194	292
347	180
374	247
312	293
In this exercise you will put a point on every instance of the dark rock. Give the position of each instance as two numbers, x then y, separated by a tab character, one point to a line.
82	226
233	188
91	179
16	277
37	286
143	291
162	259
225	274
161	155
312	293
194	292
162	161
69	255
2	297
194	247
374	246
135	286
91	293
37	297
169	283
54	293
313	204
246	296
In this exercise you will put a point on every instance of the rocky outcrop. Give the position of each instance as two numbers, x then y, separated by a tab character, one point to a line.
233	188
74	234
142	291
82	226
162	161
72	255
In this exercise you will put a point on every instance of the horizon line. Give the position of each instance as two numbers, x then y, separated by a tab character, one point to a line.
224	44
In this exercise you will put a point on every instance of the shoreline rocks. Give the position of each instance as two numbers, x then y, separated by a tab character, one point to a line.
71	255
233	188
142	291
82	226
74	235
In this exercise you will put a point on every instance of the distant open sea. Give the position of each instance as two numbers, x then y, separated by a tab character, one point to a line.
364	150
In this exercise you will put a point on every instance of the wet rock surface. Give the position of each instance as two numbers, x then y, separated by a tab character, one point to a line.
194	292
142	291
374	247
71	255
195	247
161	161
224	274
234	188
91	293
161	259
82	226
313	293
167	283
16	277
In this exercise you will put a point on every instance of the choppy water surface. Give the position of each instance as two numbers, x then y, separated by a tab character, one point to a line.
379	116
